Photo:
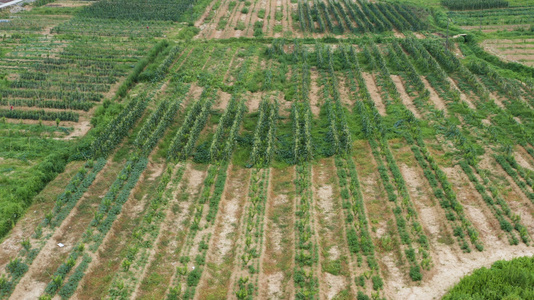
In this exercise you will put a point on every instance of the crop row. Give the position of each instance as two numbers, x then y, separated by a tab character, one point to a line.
223	132
247	284
264	134
119	127
301	117
356	17
474	4
65	202
68	96
39	115
339	133
306	248
188	273
403	208
493	200
358	237
81	105
195	120
144	236
108	210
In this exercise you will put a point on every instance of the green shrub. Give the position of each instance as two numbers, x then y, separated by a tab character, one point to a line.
504	280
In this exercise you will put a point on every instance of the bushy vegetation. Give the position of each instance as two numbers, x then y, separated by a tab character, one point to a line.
474	4
512	279
140	10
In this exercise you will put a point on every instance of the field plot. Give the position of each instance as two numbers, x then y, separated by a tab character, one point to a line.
515	50
494	19
270	18
147	152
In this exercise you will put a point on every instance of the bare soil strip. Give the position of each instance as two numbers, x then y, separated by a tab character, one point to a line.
335	274
106	260
315	93
173	232
276	269
220	259
434	97
463	97
44	202
69	233
381	222
406	100
474	207
375	95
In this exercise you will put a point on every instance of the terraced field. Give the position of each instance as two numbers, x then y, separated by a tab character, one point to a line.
257	150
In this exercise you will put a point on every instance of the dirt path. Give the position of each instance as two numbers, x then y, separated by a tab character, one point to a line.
44	202
373	91
344	92
173	232
315	94
269	31
237	16
333	250
276	269
474	207
434	97
451	268
211	29
68	233
280	7
463	97
406	99
249	32
107	258
380	217
221	254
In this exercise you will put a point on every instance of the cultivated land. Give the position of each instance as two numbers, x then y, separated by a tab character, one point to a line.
267	149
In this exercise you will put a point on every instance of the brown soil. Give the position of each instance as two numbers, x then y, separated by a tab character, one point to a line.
43	202
253	101
398	34
223	100
373	91
419	35
276	266
107	258
69	233
315	92
345	93
221	254
463	97
451	267
330	232
474	206
434	97
174	229
378	213
406	100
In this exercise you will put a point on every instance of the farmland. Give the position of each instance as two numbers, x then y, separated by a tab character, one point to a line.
263	149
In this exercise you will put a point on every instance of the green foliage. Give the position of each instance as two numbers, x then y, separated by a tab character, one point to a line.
188	33
40	115
140	10
42	2
193	278
139	67
504	280
474	4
